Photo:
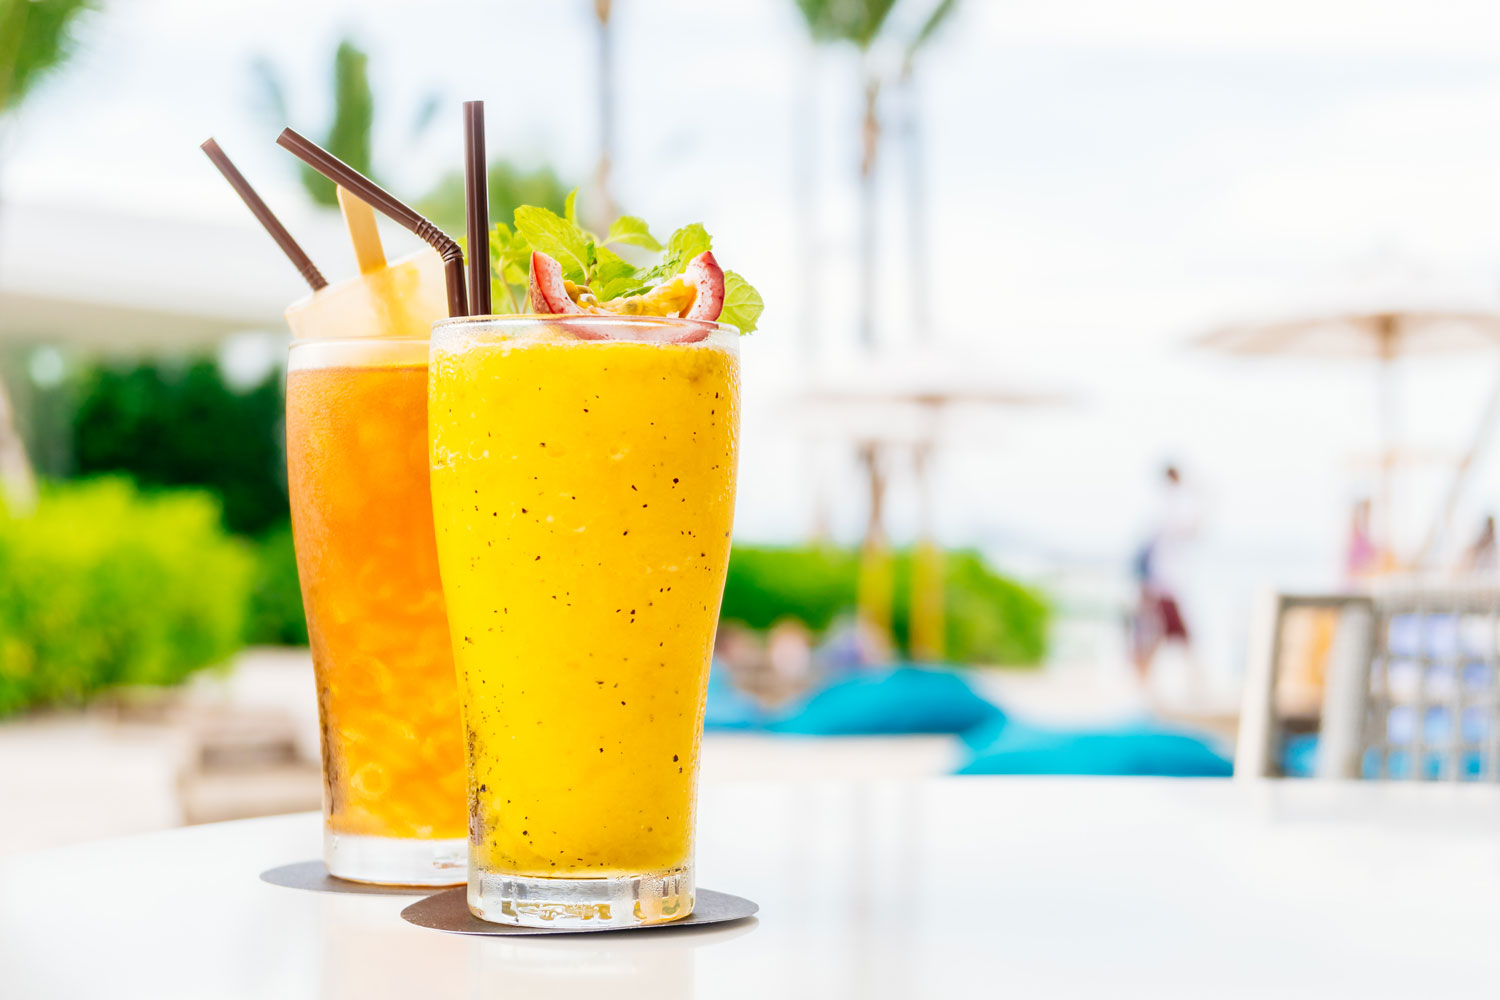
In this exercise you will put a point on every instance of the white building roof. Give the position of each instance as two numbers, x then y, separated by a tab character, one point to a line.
142	283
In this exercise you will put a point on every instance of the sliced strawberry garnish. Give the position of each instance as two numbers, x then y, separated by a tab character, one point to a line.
549	291
696	294
549	295
707	279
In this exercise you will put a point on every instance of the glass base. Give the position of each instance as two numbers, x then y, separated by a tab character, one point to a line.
395	860
655	898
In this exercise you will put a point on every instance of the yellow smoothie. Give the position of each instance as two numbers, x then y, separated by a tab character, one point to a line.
583	494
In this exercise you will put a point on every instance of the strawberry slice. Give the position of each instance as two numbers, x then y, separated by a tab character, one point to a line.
696	294
707	279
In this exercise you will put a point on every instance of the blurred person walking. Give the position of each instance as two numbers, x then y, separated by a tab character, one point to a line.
1482	557
1160	571
1361	555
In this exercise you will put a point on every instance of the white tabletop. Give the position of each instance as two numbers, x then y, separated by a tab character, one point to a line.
950	887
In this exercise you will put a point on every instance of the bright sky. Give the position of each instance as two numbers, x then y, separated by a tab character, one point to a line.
1105	181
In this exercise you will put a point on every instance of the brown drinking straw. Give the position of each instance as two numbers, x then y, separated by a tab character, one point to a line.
477	208
339	172
262	212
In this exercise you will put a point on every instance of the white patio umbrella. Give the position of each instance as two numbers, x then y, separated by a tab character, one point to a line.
1381	336
906	402
909	398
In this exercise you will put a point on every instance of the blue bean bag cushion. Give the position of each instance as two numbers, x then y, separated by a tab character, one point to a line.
1299	756
897	701
1136	749
987	732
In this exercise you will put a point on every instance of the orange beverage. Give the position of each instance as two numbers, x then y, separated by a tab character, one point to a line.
356	427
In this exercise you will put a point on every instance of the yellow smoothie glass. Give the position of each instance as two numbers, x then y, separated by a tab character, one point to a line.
583	495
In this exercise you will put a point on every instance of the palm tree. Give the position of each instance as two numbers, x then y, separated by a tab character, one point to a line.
912	142
350	133
36	39
350	137
862	23
858	22
606	97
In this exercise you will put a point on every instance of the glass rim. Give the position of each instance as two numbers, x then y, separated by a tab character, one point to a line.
592	319
298	341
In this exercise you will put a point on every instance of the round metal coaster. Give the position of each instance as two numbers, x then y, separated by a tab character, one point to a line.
311	875
449	911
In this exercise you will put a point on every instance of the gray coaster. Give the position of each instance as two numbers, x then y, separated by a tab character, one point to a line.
449	911
313	876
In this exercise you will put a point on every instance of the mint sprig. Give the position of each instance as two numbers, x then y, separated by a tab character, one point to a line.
630	231
594	263
742	303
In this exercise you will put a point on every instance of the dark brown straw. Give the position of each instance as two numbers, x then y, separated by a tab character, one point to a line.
261	211
339	172
477	208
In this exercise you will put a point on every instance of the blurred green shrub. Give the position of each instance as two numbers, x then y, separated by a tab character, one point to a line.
813	584
102	585
276	617
174	425
988	617
510	187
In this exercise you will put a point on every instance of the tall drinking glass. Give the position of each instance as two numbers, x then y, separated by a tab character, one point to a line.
356	427
583	494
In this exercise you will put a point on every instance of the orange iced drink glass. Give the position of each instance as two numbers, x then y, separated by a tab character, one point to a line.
356	426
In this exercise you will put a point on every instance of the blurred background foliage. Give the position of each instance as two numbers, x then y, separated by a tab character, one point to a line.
350	134
181	425
276	617
183	551
510	187
163	426
990	619
36	37
103	585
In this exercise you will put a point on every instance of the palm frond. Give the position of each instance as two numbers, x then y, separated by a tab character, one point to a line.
36	38
935	21
855	21
350	134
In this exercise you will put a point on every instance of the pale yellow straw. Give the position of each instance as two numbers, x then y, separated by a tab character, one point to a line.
359	217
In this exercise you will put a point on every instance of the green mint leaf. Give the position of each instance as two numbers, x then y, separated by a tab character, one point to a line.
611	271
742	303
505	245
500	237
588	260
631	284
560	239
518	272
591	258
631	231
683	245
510	255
